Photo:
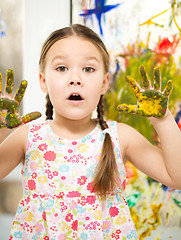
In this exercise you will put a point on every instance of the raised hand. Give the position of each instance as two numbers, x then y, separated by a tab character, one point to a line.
151	102
9	107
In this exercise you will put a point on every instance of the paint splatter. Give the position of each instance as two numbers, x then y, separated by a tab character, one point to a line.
100	9
151	102
3	28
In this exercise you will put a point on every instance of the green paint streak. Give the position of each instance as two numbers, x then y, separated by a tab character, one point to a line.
144	76
21	91
168	88
8	104
157	78
126	108
31	116
177	202
12	120
9	81
132	84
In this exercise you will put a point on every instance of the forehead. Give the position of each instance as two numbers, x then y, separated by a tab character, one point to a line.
75	46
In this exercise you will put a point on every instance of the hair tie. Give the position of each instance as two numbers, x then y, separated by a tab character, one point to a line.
106	130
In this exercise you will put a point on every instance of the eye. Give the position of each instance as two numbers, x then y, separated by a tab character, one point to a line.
61	69
88	69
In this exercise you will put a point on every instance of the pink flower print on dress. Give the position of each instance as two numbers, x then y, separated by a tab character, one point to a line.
31	184
91	200
34	166
44	215
34	175
35	128
82	180
46	238
73	205
106	225
74	225
70	151
69	217
39	227
50	156
73	194
90	188
62	237
113	211
60	195
43	147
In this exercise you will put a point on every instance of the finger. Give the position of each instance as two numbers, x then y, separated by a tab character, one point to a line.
21	91
0	84
9	81
133	84
157	78
127	108
168	88
8	104
30	117
144	77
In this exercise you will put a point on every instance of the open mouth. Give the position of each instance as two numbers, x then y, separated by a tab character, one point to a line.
75	97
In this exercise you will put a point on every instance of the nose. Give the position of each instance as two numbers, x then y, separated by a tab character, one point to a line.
75	82
75	78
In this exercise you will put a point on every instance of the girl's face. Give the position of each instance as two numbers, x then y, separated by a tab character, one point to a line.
74	77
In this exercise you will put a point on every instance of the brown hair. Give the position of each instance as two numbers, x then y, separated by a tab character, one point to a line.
106	175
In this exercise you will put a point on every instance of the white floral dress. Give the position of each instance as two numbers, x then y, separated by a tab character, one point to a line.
58	203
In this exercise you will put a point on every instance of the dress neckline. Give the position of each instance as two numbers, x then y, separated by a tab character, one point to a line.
82	139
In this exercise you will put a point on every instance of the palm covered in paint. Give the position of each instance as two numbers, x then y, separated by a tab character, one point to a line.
9	107
151	102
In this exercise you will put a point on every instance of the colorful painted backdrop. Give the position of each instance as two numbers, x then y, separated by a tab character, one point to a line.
141	32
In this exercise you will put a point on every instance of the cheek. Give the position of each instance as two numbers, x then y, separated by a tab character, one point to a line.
55	93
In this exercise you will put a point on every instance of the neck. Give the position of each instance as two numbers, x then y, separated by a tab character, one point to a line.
72	129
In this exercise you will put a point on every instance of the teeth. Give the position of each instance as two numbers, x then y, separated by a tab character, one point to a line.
75	94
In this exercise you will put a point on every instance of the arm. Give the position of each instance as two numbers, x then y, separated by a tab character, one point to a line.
4	132
163	165
12	150
170	138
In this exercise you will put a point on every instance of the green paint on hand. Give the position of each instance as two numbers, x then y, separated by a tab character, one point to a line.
144	77
151	102
31	116
21	91
8	104
12	120
9	81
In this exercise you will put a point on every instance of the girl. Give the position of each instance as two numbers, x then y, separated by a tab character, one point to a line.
73	165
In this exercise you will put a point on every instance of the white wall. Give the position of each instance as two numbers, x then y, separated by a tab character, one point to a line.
41	17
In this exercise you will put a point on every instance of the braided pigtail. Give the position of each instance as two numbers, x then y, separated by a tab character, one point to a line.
49	108
107	175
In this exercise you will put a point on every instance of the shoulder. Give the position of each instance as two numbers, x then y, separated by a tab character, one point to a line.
128	137
20	135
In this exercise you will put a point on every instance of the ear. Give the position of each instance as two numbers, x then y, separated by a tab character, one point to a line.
105	84
42	82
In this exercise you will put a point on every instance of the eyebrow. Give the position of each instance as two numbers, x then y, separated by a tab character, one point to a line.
60	57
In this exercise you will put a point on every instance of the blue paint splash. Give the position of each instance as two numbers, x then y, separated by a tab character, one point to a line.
100	8
3	28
